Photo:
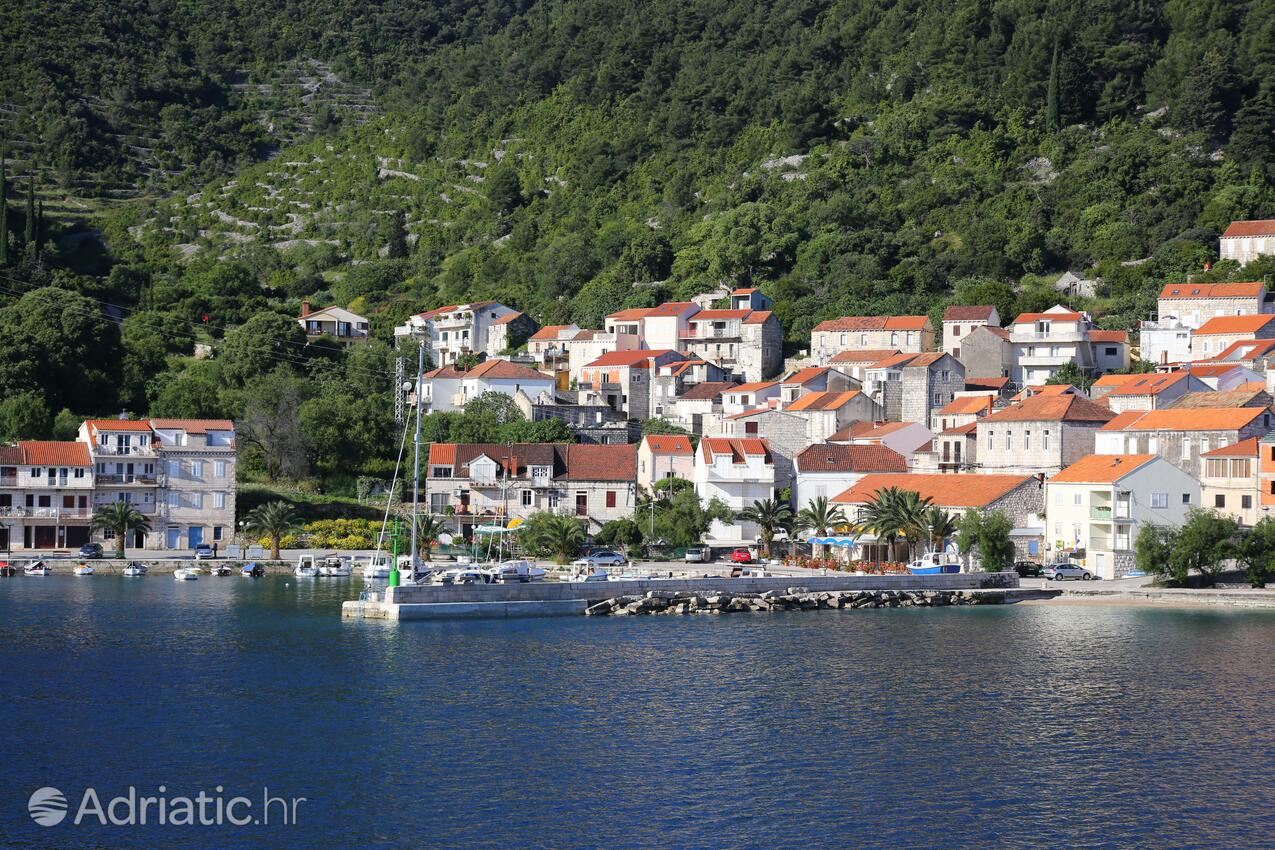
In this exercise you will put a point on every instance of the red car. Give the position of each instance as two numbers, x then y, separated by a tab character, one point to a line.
741	556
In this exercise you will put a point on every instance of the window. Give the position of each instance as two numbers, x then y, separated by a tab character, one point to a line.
1027	441
196	469
174	500
1204	445
956	331
1009	441
1110	351
1219	501
1046	439
1186	498
197	500
1075	499
219	468
894	337
750	427
175	468
990	435
1246	502
936	400
1153	445
1186	448
35	470
1159	500
79	472
610	498
217	532
219	500
441	472
1058	497
528	498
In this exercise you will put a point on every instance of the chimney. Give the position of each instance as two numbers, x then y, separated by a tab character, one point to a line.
305	309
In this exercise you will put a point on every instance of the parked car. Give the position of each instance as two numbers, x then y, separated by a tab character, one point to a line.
1027	568
697	554
91	550
741	556
601	558
1060	572
203	552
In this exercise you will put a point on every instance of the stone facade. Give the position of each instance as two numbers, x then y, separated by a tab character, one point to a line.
986	353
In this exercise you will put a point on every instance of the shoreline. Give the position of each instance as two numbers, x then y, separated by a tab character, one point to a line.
1166	597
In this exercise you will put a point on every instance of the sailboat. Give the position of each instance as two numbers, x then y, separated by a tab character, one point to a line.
498	569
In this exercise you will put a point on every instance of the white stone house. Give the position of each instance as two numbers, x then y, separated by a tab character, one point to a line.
456	329
961	320
1221	332
1150	391
909	334
335	322
1231	483
450	388
1039	435
662	456
738	472
829	469
1245	241
1182	436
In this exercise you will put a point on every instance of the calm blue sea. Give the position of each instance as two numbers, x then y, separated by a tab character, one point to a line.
1016	726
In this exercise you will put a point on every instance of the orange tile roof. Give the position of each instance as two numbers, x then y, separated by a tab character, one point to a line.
1108	336
718	315
442	454
1244	448
758	317
1180	291
968	404
874	323
1046	390
509	317
438	311
55	453
1264	227
549	332
668	444
610	462
1046	408
894	360
505	369
670	308
822	401
1113	380
1210	369
964	313
835	457
1235	324
1190	419
949	490
1149	384
864	355
1246	349
635	357
755	386
631	313
1069	316
745	291
1101	469
737	448
806	375
964	430
194	426
927	359
118	424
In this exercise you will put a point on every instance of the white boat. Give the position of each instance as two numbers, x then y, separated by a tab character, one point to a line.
588	572
377	567
219	570
514	571
335	566
83	570
36	568
186	574
252	570
932	564
306	567
136	570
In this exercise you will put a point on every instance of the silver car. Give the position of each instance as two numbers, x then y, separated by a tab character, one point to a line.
696	555
601	558
1061	572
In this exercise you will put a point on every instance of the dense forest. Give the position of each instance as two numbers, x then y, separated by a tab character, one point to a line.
183	173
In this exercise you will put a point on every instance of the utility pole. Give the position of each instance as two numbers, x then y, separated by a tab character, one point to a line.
416	487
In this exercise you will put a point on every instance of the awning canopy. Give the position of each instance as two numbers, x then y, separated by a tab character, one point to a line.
833	541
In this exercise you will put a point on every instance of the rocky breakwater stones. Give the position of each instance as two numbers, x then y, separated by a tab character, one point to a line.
793	599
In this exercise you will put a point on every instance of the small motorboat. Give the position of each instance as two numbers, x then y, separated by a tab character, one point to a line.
589	572
306	567
514	571
36	568
932	564
219	570
252	570
186	574
83	570
7	570
335	566
377	567
136	570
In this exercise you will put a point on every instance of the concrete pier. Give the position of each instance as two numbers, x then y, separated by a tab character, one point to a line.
558	599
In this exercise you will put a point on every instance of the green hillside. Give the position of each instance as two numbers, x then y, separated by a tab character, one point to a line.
571	158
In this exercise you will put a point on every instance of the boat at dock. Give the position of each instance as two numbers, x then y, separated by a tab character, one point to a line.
932	564
136	570
36	568
186	574
84	570
306	567
335	566
219	570
252	570
377	567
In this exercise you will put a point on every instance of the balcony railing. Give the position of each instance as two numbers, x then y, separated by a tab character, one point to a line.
126	478
46	513
711	334
1105	512
125	451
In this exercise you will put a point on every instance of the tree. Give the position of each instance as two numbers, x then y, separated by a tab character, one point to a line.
500	408
624	532
428	528
1204	542
896	513
29	236
988	534
119	518
25	416
821	518
266	342
770	516
1151	549
554	535
4	214
397	246
1053	94
273	520
1257	552
940	525
504	189
1071	373
271	423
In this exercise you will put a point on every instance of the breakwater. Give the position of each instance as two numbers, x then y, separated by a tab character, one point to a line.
792	599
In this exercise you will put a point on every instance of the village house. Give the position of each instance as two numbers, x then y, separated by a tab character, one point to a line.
828	469
46	488
1019	497
662	456
458	329
956	448
1096	506
1150	391
588	345
856	361
750	396
999	387
959	321
1045	342
660	327
697	405
1266	472
1255	354
335	322
987	352
1182	436
1039	435
1245	395
963	410
547	346
449	388
906	438
737	472
1220	333
1183	307
1222	377
472	484
1245	241
815	379
910	386
197	461
1231	482
126	468
747	344
671	381
909	334
622	380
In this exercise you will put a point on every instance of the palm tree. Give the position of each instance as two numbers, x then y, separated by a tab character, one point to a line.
912	509
821	518
895	513
274	520
940	525
428	527
770	515
560	536
119	518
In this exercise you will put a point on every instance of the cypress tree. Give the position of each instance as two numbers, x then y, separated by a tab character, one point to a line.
4	215
30	231
1053	96
39	227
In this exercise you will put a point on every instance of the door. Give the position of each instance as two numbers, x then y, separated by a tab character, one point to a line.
139	539
173	538
196	535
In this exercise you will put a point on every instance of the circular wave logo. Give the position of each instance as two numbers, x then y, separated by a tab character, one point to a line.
47	806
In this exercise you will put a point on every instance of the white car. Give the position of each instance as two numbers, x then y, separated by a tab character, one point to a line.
696	554
1061	572
601	558
203	552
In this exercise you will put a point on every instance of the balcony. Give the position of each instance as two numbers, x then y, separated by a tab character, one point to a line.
46	513
711	334
125	451
1059	336
146	480
1105	513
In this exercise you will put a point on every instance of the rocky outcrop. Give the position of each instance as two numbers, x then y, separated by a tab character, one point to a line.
793	599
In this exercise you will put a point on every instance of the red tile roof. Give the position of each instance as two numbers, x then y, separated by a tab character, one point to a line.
1148	384
504	369
964	430
976	404
1175	419
671	308
118	424
549	332
758	317
1246	349
1264	227
1052	408
834	457
745	291
442	454
1108	336
874	323
949	490
1210	370
806	375
1101	469
55	453
1235	324
719	315
737	449
194	426
1069	316
1244	448
601	463
636	357
508	317
755	386
864	355
669	444
1181	291
963	313
893	361
822	401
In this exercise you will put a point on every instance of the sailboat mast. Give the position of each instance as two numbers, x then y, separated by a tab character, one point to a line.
416	481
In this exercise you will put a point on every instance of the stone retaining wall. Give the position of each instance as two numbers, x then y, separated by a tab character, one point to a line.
682	602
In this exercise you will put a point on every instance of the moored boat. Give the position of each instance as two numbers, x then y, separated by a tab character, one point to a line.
186	574
335	566
306	567
932	564
83	570
136	570
252	570
36	568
